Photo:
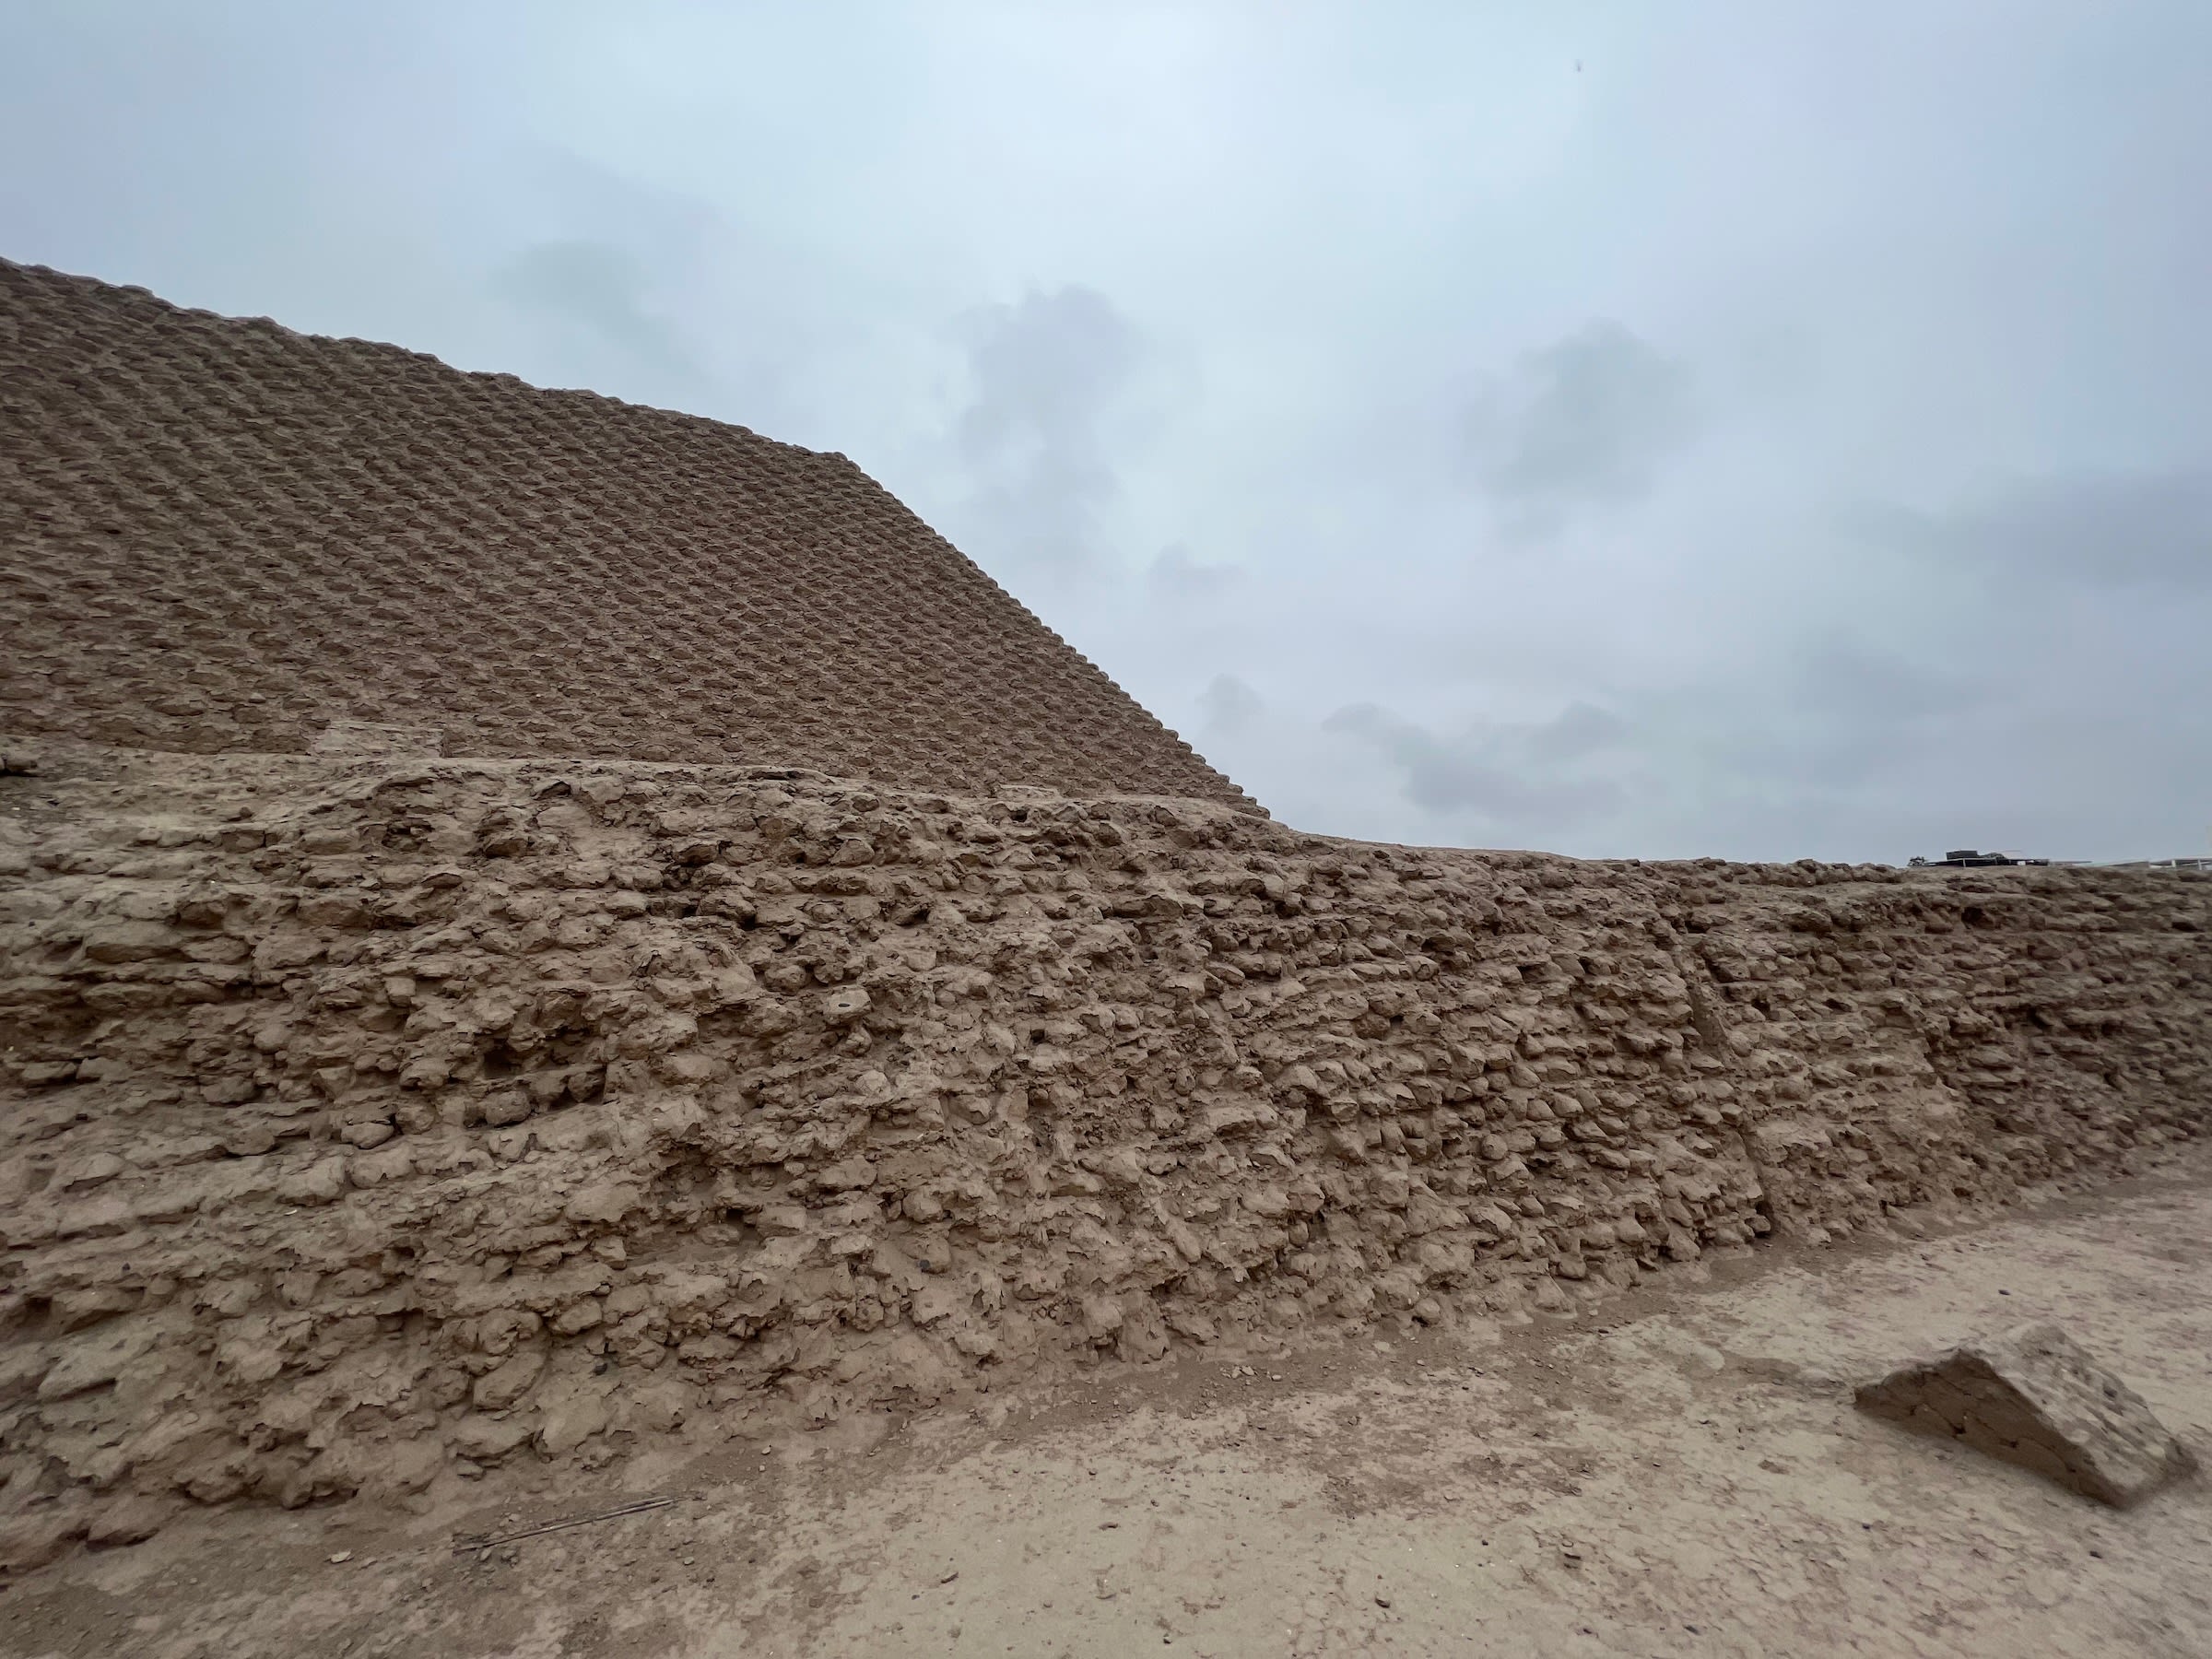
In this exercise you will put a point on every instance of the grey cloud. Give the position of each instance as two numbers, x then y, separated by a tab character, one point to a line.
1579	730
1176	575
1487	772
1046	372
1830	712
1835	676
596	284
1228	705
1585	421
2144	529
659	296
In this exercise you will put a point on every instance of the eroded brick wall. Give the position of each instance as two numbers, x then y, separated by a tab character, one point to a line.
369	1122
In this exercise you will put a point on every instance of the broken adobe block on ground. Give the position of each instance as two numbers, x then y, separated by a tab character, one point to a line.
2033	1397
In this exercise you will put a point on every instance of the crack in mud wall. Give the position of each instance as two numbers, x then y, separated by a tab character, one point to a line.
369	1121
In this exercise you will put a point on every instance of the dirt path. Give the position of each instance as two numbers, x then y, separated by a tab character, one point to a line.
1680	1474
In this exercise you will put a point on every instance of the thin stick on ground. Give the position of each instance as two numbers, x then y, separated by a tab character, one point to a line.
462	1545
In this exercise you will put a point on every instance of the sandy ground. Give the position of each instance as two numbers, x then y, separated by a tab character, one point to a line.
1677	1473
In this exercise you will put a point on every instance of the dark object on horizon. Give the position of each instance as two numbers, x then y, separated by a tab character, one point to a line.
1967	858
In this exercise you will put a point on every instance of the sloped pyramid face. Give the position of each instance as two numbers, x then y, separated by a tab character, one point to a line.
2033	1397
219	536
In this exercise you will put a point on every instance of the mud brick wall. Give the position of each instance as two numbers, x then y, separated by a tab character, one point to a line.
223	537
369	1122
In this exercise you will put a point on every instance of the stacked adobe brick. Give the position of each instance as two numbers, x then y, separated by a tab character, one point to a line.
222	536
372	1122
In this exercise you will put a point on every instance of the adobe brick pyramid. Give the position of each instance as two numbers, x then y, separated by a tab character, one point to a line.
218	536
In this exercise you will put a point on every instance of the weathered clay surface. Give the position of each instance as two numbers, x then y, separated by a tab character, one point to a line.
373	1119
221	536
2031	1396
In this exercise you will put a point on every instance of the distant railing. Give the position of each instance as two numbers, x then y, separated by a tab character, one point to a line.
1967	859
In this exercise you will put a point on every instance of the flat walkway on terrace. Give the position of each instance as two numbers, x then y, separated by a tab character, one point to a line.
1678	1474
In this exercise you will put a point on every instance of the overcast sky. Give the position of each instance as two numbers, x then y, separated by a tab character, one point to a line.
1648	429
